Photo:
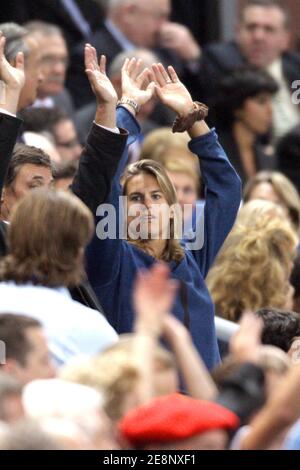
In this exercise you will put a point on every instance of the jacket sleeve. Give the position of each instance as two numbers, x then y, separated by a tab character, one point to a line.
9	129
98	165
222	199
104	252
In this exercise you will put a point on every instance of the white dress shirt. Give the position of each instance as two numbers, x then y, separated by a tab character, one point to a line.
285	114
72	329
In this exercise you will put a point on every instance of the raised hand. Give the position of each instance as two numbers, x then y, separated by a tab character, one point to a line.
178	37
136	84
170	90
246	342
96	72
153	298
13	77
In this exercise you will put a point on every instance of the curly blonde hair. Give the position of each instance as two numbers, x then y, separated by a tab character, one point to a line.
253	268
114	373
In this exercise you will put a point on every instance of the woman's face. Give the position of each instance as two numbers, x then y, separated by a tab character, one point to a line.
186	188
148	213
266	192
256	113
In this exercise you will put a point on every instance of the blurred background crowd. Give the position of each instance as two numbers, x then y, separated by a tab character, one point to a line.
151	376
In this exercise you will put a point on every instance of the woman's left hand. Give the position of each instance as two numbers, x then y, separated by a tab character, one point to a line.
171	91
153	297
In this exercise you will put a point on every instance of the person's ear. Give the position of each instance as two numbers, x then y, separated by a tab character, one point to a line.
294	351
11	367
2	196
238	114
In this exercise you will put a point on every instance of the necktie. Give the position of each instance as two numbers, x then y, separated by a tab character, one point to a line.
74	11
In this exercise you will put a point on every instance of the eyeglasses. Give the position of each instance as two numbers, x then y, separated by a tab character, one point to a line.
53	60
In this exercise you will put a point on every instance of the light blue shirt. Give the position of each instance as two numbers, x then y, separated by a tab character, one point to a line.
292	441
71	328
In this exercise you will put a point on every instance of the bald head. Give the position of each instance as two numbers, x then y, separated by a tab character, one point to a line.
139	20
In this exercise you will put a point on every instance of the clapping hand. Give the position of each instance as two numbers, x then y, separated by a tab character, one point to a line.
246	342
153	298
12	77
170	90
96	72
136	84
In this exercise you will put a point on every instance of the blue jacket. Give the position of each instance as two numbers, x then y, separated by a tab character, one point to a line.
112	265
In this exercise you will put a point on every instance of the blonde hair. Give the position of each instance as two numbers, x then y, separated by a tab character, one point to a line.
156	141
114	373
173	250
258	209
283	187
253	268
171	150
48	231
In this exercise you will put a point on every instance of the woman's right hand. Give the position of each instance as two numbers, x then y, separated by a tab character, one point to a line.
136	84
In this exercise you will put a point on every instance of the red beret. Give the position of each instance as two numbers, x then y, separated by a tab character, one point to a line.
174	417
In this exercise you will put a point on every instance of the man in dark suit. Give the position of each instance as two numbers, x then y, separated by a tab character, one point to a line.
132	24
102	151
262	40
77	25
54	63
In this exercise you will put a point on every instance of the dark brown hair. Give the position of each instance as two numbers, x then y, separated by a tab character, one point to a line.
269	4
26	154
46	238
13	330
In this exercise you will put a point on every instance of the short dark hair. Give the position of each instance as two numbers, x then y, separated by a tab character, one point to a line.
46	29
236	88
67	170
42	119
13	330
26	154
280	327
269	4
